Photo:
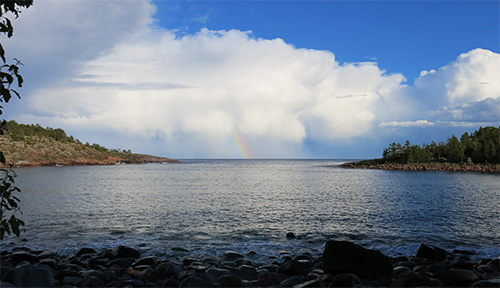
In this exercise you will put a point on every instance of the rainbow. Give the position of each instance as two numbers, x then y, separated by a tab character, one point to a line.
240	145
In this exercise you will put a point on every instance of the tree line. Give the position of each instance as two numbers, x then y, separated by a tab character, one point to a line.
19	132
481	147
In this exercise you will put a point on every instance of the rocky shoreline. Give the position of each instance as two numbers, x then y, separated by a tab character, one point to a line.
382	165
342	264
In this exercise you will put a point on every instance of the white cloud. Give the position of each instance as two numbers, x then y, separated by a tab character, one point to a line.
190	93
418	123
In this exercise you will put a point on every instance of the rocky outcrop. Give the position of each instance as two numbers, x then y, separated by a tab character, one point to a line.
343	264
378	164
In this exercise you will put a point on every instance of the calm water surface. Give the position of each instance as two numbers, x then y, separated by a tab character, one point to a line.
211	206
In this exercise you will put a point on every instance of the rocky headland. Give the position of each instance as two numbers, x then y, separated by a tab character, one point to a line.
430	166
342	264
33	146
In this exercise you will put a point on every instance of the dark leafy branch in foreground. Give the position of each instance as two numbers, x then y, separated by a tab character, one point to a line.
482	147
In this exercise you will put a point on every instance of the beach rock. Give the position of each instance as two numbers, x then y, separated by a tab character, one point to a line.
347	257
345	280
6	285
72	280
93	282
414	280
431	253
292	281
231	255
270	279
290	235
198	280
21	256
167	269
487	283
229	281
295	267
150	261
455	277
30	276
125	252
218	271
84	251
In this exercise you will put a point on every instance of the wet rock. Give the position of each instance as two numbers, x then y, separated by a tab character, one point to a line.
47	254
6	285
72	280
464	252
270	279
347	257
125	252
150	261
400	271
488	283
198	280
295	267
292	281
167	269
290	235
458	277
21	256
218	271
52	263
180	249
84	251
246	272
93	282
312	283
229	281
231	255
414	280
431	253
30	276
345	280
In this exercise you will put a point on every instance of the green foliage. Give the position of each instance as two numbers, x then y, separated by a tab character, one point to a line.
9	77
482	146
9	205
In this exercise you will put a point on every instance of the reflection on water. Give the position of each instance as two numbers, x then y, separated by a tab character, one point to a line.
252	204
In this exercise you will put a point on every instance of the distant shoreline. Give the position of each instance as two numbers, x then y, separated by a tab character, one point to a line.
81	161
432	166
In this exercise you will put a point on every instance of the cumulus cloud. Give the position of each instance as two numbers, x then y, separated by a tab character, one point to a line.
191	94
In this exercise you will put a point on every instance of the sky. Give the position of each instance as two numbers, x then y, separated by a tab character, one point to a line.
258	79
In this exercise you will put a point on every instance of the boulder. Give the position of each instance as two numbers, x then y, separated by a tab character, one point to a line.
456	277
488	283
30	276
125	252
345	280
84	251
413	280
295	267
231	255
431	253
229	281
347	257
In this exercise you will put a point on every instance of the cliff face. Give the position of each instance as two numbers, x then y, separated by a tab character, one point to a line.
30	151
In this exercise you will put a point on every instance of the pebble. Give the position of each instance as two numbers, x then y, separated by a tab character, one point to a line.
124	267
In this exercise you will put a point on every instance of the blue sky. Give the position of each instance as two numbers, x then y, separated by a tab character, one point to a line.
286	79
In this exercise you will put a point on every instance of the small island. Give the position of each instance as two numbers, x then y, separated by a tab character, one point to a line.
478	151
33	146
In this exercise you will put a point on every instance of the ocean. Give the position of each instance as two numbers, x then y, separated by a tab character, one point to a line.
206	207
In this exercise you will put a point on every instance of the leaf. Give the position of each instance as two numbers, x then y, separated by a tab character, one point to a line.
2	53
14	224
20	81
6	95
2	157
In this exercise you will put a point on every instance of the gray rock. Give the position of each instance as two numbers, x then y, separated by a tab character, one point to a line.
218	271
487	283
93	281
347	257
167	269
458	277
431	253
125	252
30	276
21	256
231	255
295	267
229	281
345	280
72	280
84	251
292	281
414	280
